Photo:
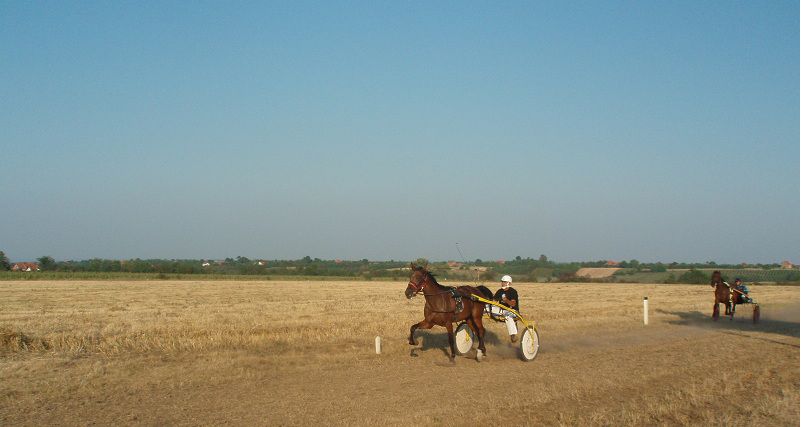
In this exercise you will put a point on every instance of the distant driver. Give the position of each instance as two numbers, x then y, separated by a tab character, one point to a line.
507	296
740	286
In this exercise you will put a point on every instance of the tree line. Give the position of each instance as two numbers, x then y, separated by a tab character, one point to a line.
523	269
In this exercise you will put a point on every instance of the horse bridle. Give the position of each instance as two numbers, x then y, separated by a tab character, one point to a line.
417	289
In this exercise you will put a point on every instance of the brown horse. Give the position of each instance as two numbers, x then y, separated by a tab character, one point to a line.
723	295
441	307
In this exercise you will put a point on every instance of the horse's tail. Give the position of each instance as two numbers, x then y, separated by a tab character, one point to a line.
485	290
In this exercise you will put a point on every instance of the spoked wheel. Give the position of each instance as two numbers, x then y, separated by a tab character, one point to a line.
464	339
529	344
756	313
715	312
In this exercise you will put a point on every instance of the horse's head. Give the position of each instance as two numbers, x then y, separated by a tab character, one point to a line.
716	278
417	281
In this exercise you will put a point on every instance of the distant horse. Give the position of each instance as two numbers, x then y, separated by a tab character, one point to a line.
723	295
441	308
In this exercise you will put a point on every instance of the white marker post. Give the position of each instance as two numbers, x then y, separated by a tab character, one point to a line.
645	310
377	345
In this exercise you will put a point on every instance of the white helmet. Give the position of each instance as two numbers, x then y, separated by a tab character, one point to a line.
506	278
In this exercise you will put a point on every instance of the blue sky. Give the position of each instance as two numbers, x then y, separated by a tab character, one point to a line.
582	130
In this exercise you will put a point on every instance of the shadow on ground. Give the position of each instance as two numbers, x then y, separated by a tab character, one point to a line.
782	321
438	339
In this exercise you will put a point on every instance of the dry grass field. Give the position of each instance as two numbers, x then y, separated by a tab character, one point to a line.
292	353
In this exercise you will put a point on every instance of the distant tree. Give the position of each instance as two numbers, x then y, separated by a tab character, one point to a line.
634	264
543	258
518	258
658	268
488	275
421	261
694	276
4	264
46	263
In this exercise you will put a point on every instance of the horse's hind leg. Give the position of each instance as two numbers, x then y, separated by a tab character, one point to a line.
451	340
479	323
472	324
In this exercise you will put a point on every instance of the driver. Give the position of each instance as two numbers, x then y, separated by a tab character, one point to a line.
740	286
507	295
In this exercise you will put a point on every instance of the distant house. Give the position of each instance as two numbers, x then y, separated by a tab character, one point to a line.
501	262
25	266
206	264
261	262
454	264
338	261
787	265
611	263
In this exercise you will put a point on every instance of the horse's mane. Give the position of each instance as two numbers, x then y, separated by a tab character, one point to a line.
430	275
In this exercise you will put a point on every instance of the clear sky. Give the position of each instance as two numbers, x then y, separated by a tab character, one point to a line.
392	130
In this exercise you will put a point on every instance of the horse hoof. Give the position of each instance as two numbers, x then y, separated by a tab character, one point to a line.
479	355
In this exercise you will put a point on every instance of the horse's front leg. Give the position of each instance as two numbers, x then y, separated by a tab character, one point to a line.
422	324
426	323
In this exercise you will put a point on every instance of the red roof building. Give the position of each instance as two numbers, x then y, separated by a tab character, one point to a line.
25	266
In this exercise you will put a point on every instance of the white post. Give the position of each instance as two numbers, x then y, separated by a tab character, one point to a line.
645	310
377	345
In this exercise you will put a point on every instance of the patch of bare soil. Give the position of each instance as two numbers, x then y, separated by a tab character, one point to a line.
596	273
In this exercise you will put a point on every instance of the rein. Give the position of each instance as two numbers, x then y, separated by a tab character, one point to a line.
422	287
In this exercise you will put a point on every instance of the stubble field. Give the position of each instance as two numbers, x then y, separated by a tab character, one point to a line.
291	353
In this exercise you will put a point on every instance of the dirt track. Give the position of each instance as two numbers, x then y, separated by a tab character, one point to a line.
215	352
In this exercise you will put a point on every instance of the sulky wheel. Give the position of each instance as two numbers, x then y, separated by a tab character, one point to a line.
529	344
756	313
464	339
